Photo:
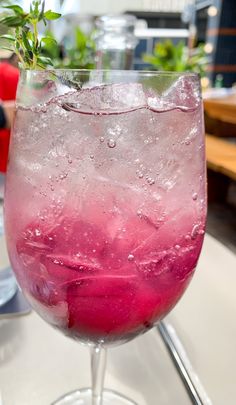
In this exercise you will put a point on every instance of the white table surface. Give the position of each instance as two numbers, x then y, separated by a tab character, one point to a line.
38	364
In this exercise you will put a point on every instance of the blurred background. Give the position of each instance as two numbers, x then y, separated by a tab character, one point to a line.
172	35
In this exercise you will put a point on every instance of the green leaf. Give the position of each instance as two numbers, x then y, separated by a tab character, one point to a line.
44	61
8	49
25	40
30	35
8	37
42	11
35	9
49	41
80	39
17	9
12	21
50	15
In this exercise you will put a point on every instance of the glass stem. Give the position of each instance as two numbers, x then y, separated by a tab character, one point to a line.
98	366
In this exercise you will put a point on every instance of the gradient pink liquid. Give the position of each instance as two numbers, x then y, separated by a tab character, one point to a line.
105	213
104	292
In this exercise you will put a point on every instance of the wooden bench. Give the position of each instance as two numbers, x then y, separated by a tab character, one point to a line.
221	165
222	109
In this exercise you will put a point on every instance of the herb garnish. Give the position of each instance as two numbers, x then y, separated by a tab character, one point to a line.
24	40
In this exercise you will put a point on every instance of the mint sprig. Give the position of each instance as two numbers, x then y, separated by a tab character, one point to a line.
24	39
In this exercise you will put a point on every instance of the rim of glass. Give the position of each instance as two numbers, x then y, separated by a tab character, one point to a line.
114	72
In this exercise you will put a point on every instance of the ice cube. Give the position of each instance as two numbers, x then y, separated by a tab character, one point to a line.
106	99
183	94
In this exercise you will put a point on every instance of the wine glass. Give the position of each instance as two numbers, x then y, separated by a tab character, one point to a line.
105	203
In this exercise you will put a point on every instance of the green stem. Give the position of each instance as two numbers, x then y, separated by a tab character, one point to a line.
35	57
20	58
18	43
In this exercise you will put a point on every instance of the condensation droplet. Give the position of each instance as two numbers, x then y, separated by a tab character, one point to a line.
194	196
102	139
111	143
177	247
131	258
187	237
91	157
69	160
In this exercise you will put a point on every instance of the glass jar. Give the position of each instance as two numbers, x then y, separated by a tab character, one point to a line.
115	41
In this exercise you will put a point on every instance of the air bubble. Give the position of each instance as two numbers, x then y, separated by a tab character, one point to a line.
91	157
69	160
195	231
63	176
56	261
187	141
139	213
131	258
177	247
139	174
102	139
111	143
115	130
194	196
150	181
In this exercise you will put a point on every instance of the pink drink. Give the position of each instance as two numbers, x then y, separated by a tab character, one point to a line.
108	222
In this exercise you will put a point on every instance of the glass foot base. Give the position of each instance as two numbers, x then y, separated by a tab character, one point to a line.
84	397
